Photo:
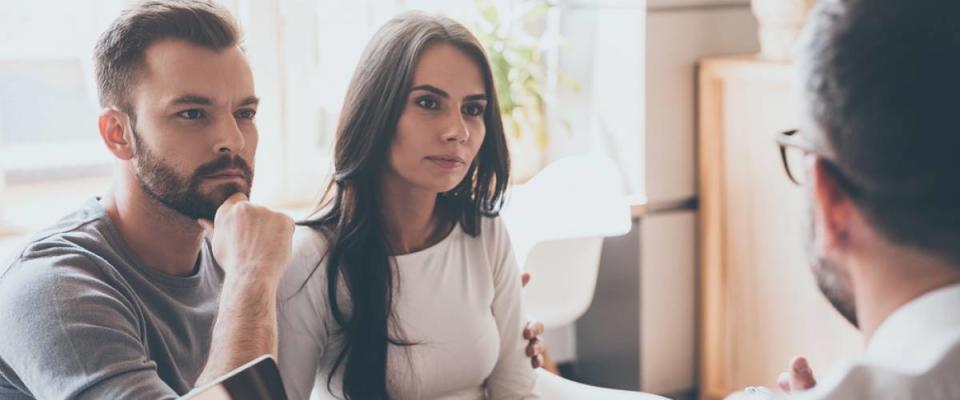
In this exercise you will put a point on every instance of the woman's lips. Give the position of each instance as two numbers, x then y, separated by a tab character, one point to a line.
447	162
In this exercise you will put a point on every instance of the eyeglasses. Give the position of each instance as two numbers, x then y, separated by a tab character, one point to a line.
793	152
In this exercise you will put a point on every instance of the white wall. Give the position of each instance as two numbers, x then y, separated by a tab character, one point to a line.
661	263
676	38
679	33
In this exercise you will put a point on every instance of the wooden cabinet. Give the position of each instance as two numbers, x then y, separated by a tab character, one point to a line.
759	302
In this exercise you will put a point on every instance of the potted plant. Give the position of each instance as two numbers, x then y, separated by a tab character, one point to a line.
512	33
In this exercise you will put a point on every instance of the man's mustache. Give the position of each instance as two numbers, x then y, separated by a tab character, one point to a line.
222	164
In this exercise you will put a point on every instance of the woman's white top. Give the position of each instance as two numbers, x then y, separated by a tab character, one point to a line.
459	300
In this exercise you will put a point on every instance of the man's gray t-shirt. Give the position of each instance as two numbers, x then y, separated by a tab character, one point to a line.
82	317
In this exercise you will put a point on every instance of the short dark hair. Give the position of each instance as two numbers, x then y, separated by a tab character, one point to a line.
119	51
881	80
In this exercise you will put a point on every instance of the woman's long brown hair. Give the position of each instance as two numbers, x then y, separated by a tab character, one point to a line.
349	213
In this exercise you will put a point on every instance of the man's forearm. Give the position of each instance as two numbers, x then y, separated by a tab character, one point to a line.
246	327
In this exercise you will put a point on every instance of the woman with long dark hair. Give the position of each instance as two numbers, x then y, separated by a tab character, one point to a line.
404	284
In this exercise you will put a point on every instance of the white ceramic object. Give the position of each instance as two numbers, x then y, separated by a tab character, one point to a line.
557	222
780	23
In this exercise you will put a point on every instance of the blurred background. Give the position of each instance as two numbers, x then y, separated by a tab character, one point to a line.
671	262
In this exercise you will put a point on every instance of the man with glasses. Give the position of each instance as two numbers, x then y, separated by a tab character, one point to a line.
876	154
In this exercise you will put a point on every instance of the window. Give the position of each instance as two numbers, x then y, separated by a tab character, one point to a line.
303	54
48	108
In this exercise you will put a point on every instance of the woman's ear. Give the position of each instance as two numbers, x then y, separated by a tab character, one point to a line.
113	123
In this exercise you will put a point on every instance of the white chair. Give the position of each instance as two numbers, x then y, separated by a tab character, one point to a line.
554	387
557	222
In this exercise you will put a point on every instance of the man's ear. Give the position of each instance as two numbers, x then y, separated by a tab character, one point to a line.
113	123
833	207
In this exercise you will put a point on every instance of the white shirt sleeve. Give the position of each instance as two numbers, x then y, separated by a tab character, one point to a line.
301	317
513	377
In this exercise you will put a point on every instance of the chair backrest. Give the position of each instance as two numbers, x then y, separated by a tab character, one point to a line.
577	196
557	222
565	276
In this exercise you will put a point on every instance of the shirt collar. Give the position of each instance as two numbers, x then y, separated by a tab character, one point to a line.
916	334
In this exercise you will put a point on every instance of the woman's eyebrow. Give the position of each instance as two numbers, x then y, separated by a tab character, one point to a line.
440	92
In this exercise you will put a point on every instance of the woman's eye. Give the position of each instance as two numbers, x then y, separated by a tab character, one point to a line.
473	110
191	114
428	103
246	114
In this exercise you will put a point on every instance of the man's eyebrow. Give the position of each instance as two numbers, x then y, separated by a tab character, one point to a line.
249	101
197	100
191	99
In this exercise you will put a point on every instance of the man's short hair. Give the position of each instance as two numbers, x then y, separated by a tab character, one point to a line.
882	80
119	51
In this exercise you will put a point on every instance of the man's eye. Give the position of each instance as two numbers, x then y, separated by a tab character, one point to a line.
473	110
428	103
246	114
191	114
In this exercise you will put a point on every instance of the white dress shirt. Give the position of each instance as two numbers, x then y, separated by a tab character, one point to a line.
914	354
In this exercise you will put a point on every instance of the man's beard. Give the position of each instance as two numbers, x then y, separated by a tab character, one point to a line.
832	279
161	182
